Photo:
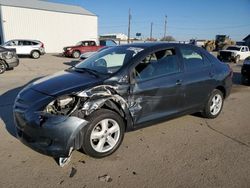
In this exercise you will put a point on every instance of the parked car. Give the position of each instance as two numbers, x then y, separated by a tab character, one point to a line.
86	46
8	59
33	48
119	89
234	53
245	71
88	54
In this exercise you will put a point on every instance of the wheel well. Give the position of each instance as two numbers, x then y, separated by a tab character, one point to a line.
35	51
112	105
222	89
77	51
4	62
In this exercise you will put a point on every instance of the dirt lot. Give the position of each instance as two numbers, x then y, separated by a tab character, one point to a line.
186	152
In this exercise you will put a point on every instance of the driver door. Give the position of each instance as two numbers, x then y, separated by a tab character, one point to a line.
156	91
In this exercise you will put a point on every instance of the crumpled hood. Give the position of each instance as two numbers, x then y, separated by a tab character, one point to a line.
64	82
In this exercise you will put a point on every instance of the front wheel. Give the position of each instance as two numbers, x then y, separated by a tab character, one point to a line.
2	67
104	133
214	105
76	54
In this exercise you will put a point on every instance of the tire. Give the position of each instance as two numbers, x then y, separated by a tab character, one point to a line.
2	67
104	133
237	59
214	105
35	54
76	54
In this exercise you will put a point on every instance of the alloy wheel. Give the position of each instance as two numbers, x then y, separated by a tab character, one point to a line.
216	104
105	135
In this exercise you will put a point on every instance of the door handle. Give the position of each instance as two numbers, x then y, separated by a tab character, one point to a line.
179	82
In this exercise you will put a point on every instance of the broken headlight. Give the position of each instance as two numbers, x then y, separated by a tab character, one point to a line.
7	55
62	105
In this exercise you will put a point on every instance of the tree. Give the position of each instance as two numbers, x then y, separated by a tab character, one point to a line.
168	38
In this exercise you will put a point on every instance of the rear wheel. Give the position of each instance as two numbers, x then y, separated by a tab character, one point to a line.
2	67
76	54
104	133
35	54
214	105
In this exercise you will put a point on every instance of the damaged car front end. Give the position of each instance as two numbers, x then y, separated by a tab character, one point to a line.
51	113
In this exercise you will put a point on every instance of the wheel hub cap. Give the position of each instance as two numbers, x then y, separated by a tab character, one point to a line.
105	135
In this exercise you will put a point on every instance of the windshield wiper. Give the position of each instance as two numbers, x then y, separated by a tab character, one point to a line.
91	71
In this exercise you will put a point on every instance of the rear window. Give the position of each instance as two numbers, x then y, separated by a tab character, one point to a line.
193	60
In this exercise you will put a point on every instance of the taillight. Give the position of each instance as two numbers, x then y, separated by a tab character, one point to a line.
42	45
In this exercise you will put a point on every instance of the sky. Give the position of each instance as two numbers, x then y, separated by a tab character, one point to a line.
186	19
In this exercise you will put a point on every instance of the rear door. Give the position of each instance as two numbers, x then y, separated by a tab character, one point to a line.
198	77
157	88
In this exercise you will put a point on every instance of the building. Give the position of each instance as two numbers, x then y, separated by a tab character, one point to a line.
247	40
56	25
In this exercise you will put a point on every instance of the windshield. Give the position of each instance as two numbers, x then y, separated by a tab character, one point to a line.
110	60
233	48
79	43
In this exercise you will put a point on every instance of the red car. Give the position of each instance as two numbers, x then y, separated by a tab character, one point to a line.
86	46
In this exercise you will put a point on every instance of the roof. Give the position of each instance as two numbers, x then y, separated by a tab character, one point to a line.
246	38
48	6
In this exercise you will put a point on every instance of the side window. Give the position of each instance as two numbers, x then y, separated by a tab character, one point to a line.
92	43
20	43
242	49
12	43
192	59
26	43
159	63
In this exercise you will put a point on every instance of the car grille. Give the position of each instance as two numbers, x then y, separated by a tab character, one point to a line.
225	55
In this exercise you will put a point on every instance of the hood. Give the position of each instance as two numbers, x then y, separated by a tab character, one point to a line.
64	82
72	46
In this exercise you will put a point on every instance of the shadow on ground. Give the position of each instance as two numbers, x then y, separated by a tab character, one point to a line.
6	107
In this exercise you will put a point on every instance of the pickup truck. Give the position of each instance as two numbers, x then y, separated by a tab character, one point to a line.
234	53
86	46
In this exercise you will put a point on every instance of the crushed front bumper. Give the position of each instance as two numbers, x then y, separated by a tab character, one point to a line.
55	137
13	62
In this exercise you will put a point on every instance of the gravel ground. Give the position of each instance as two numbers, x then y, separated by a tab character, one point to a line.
186	152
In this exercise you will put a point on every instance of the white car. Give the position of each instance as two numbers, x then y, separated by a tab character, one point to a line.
34	48
234	53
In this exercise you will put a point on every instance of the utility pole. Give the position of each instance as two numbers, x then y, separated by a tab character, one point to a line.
165	27
151	31
129	23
